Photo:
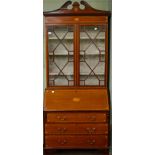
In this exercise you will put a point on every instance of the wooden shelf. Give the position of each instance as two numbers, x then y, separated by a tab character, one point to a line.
83	36
65	54
81	74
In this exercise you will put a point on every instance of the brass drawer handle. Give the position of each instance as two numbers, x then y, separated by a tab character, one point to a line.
92	118
61	118
62	130
50	91
62	141
92	141
91	130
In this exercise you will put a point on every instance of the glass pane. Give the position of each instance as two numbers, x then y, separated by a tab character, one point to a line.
61	57
92	55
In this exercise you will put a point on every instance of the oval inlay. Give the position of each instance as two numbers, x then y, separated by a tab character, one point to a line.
76	19
76	99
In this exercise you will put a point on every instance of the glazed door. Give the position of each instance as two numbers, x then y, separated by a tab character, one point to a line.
60	55
92	55
77	55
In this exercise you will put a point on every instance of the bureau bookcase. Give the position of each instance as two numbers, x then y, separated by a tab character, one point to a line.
76	97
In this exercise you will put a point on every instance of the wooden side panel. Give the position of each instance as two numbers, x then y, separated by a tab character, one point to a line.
91	99
83	141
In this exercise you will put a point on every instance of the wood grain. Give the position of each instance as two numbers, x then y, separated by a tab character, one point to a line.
76	128
76	20
88	99
87	117
80	141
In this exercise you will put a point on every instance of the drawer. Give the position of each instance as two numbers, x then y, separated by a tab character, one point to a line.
76	117
83	141
76	128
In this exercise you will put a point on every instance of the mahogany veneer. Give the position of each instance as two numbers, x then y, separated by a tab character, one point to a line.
78	142
75	129
77	117
76	99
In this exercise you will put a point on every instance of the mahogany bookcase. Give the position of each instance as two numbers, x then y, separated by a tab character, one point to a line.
76	97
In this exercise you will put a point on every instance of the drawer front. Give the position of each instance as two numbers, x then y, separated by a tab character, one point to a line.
76	117
76	128
84	141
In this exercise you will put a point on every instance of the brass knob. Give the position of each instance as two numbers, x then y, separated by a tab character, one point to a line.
62	130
